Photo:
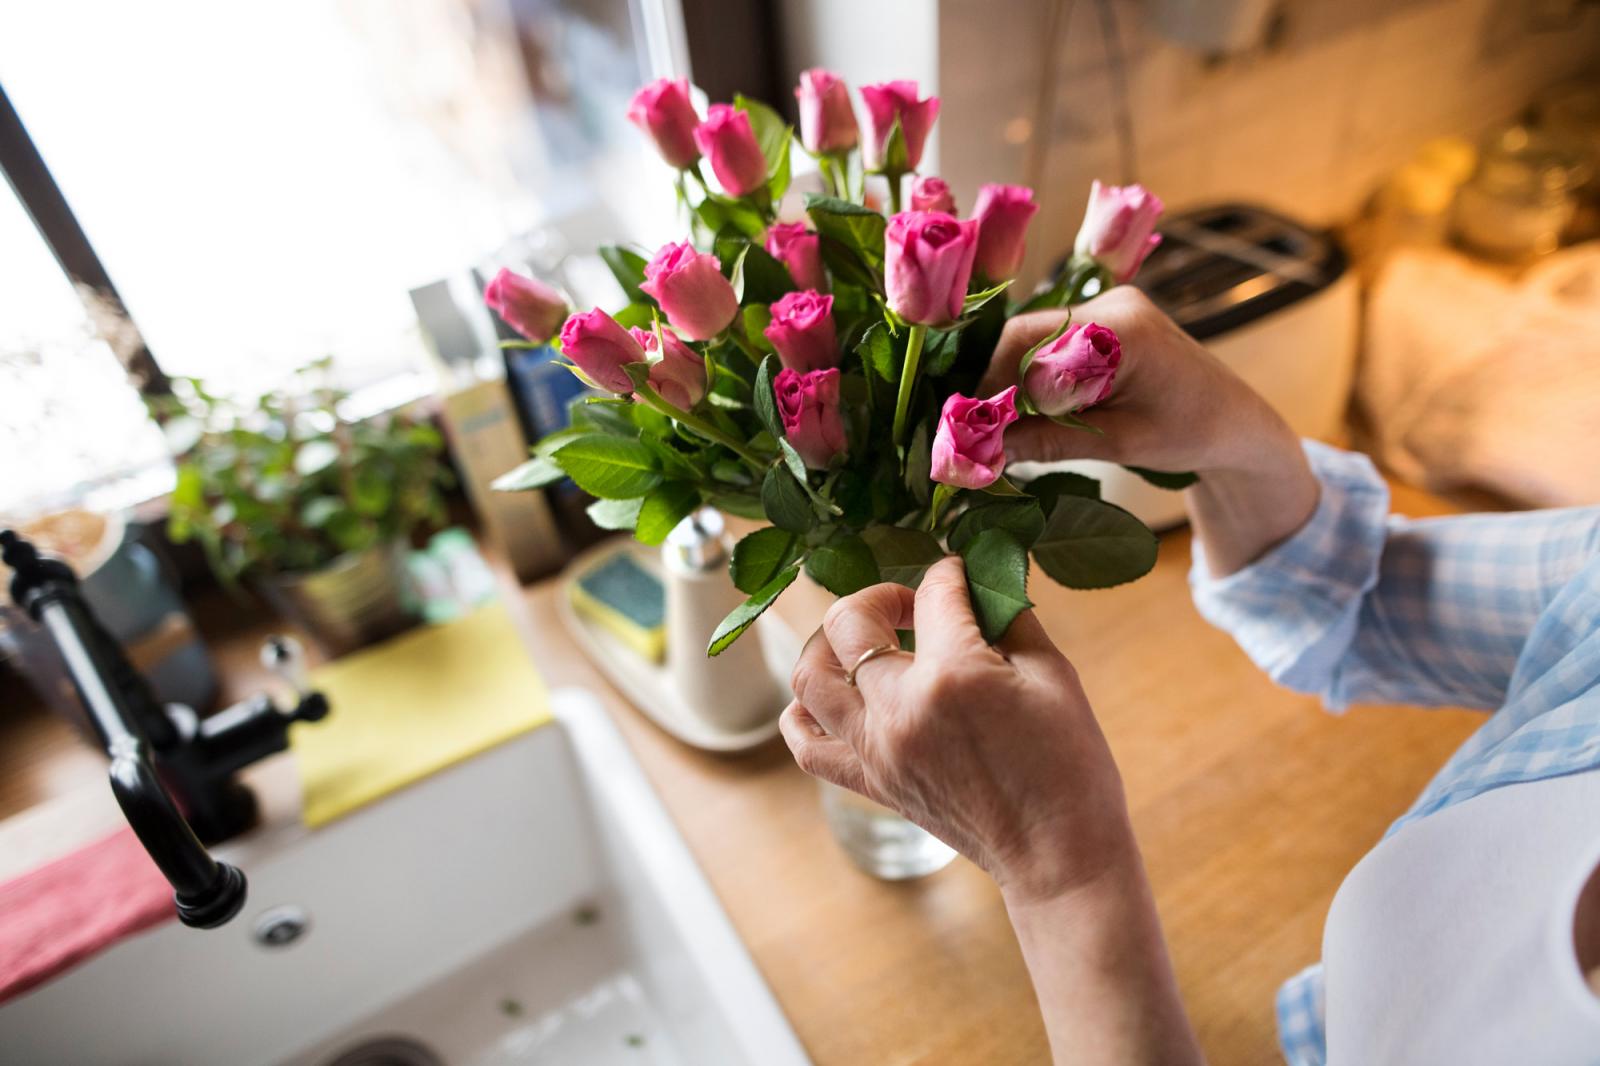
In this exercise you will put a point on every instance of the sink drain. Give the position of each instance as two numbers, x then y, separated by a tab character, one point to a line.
388	1051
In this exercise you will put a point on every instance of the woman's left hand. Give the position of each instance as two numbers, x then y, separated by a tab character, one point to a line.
994	750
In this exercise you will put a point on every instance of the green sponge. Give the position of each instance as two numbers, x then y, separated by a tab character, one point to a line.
626	600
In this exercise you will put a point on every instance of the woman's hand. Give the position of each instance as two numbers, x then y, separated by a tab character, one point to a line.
993	750
996	751
1174	406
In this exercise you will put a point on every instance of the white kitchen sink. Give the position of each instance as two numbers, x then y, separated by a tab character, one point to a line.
531	905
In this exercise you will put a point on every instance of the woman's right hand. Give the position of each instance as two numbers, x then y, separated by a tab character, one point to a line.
1174	407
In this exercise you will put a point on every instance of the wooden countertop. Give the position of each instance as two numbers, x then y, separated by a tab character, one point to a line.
1250	803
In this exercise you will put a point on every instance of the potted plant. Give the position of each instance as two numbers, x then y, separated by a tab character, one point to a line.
311	509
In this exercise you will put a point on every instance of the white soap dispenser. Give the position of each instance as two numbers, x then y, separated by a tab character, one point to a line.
736	691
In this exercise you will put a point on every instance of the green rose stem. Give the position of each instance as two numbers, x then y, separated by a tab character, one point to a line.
894	191
651	398
908	380
735	333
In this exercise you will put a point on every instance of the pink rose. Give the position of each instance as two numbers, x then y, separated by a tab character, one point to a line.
1118	228
927	264
800	250
932	194
601	348
1074	371
827	123
679	373
969	450
663	110
887	102
689	286
808	404
727	140
527	305
802	331
1003	213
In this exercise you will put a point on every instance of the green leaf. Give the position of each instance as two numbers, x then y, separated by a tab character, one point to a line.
858	228
843	565
902	555
765	278
896	156
319	511
667	504
1162	479
919	465
736	272
642	316
765	403
759	556
939	352
315	456
975	300
616	514
1061	483
877	352
756	319
741	617
613	468
1002	486
1091	544
997	580
627	266
536	473
792	460
740	504
1072	421
1021	518
785	503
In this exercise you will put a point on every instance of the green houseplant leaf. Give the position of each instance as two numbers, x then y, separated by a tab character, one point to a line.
1091	544
858	228
843	565
1022	518
997	579
615	514
785	503
903	555
759	556
536	473
667	504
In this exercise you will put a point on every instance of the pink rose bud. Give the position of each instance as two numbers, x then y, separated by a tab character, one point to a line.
1074	371
679	373
887	102
528	306
800	250
689	286
827	122
1003	213
927	264
802	331
601	348
808	404
932	194
726	139
969	450
1118	228
663	110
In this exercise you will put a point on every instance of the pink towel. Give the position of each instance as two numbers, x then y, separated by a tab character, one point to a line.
75	907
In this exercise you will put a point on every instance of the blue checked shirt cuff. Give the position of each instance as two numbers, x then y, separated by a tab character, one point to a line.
1294	610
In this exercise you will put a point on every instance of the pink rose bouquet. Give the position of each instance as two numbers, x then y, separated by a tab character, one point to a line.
819	376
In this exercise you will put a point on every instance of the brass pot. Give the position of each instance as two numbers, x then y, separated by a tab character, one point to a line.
357	599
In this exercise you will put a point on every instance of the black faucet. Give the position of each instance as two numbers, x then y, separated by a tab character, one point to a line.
171	771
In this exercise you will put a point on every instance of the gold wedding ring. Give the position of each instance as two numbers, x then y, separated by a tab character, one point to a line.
867	656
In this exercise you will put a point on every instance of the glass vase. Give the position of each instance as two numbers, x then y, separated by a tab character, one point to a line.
879	841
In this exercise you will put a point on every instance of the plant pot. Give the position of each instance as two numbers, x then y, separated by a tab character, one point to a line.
355	600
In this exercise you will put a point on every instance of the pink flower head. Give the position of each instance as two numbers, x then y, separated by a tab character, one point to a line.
928	259
727	140
678	373
527	305
803	332
827	123
1003	213
887	102
663	110
800	250
689	286
969	450
601	348
932	194
808	405
1118	228
1074	371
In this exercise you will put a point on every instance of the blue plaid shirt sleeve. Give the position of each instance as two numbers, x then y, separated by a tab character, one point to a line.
1361	605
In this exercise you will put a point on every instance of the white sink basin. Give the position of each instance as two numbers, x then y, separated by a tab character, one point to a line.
532	905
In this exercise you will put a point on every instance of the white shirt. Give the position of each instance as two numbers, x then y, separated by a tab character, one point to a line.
1451	942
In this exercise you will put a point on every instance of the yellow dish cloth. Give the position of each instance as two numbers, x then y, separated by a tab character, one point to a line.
413	706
